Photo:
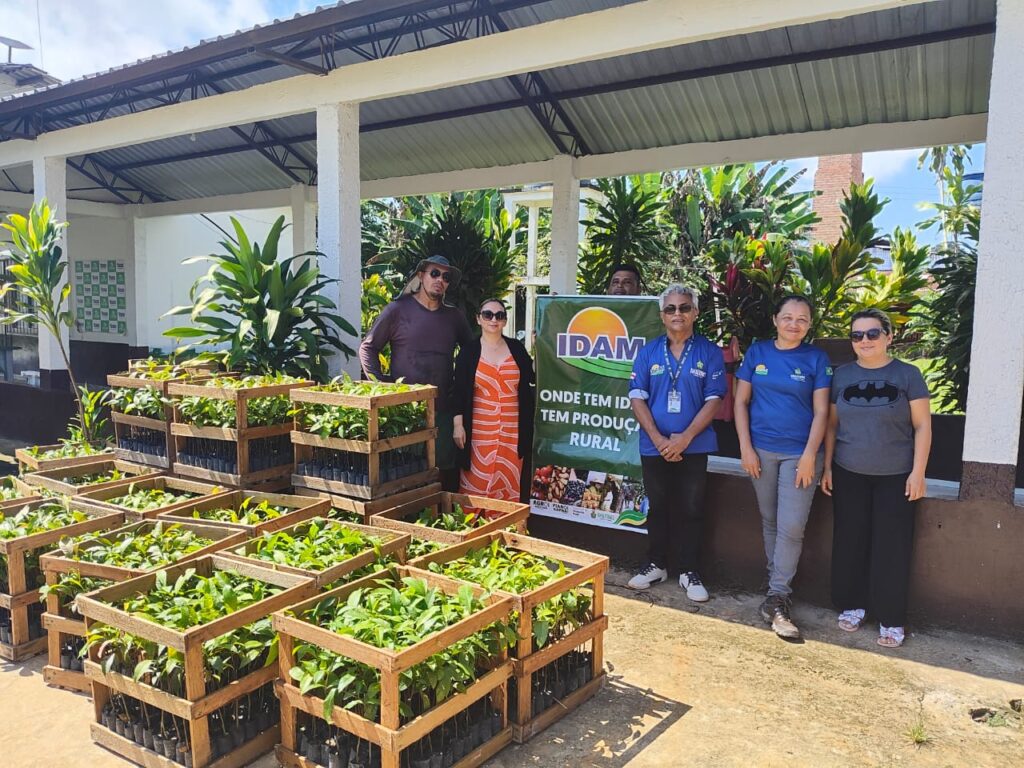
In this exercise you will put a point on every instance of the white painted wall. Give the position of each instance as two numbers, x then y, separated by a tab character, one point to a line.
169	240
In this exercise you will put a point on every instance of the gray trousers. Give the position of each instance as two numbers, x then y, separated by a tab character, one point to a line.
784	511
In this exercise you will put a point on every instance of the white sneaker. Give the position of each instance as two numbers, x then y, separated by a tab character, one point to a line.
648	577
690	581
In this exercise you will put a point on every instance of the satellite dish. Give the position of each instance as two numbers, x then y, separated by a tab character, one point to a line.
11	44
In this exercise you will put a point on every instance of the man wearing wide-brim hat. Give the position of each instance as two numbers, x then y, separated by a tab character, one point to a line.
423	333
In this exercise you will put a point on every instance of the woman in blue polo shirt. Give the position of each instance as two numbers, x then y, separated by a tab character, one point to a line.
675	389
781	410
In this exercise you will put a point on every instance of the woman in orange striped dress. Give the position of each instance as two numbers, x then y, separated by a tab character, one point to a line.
494	401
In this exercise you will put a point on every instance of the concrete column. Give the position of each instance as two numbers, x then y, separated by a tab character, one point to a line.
992	430
565	222
339	229
140	327
303	220
49	180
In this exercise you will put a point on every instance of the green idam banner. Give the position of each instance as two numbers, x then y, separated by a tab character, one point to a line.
585	452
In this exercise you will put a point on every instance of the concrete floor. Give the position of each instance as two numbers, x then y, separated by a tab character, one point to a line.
695	686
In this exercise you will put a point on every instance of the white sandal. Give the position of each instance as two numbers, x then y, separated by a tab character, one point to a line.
890	637
850	620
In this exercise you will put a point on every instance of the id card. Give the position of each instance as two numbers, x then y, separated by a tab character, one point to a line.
675	401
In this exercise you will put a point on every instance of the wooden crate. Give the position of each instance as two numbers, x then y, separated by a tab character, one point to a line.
366	508
29	463
392	543
303	508
62	480
389	734
402	517
100	499
374	448
241	436
584	567
20	596
59	562
197	705
26	493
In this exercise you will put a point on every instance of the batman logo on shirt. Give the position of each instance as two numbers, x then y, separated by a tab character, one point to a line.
871	394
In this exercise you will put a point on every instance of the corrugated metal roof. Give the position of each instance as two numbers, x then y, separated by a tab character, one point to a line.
918	82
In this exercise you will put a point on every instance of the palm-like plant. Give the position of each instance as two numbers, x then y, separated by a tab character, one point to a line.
269	315
472	233
38	279
629	225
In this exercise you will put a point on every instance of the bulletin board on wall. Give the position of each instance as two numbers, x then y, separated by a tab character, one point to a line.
101	297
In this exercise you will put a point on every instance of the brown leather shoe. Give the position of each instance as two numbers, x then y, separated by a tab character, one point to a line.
782	624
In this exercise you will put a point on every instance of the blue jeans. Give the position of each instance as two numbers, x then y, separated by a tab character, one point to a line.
784	512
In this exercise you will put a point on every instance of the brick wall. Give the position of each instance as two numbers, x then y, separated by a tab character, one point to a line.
832	179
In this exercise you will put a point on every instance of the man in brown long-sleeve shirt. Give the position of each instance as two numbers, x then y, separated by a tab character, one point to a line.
423	332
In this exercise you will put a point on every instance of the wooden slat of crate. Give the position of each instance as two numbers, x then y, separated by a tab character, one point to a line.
122	424
33	464
363	446
242	756
100	499
267	480
59	480
365	402
57	627
393	543
230	433
369	492
511	513
522	733
363	507
303	508
28	494
22	651
392	661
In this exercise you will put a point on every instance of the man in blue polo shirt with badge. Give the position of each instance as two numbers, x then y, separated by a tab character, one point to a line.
676	387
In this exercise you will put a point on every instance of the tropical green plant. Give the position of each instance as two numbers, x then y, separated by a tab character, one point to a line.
90	424
95	478
248	512
948	315
394	617
271	314
189	601
140	549
629	224
314	546
472	231
146	499
45	516
456	521
8	490
221	412
142	401
497	567
37	279
718	203
70	585
898	291
68	449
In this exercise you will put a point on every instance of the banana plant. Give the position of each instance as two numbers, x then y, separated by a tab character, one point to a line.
268	314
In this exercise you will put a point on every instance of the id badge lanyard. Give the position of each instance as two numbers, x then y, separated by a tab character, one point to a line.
675	397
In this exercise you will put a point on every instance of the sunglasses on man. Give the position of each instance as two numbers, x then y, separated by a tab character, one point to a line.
671	309
487	314
436	273
871	334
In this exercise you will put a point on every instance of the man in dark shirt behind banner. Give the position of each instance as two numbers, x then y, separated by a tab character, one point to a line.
423	332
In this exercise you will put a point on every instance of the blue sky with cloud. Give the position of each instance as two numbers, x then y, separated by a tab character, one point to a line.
88	36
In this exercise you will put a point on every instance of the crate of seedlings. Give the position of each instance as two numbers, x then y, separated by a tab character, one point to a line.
68	453
364	509
559	609
235	431
190	650
25	533
97	560
328	551
251	512
364	439
141	410
97	474
16	493
145	499
453	517
395	669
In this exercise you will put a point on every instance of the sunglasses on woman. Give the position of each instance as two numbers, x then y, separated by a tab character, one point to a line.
871	334
436	273
671	309
487	314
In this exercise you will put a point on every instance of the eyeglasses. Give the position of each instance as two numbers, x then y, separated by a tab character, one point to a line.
436	273
671	309
487	314
872	334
